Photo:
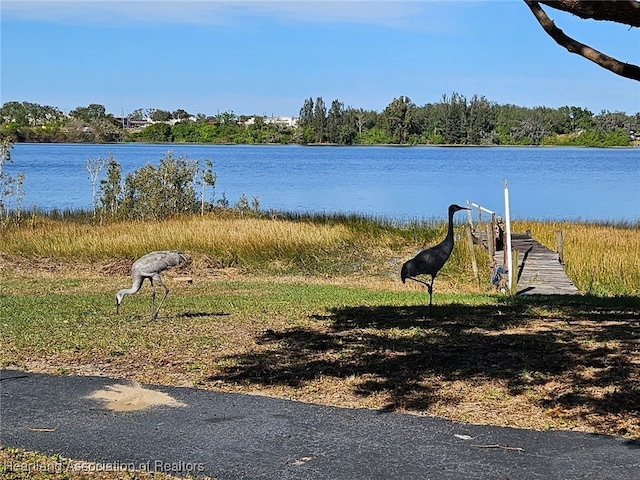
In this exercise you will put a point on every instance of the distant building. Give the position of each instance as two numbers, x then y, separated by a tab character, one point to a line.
130	123
275	120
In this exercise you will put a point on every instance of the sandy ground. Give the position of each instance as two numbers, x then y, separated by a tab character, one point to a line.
127	398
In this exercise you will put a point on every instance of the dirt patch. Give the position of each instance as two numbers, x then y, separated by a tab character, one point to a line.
128	398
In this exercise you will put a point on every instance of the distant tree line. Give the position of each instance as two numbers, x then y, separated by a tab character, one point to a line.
454	120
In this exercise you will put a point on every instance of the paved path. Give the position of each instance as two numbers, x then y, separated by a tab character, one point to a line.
231	436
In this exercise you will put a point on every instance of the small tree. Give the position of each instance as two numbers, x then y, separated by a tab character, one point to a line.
111	188
208	180
94	167
5	152
242	205
255	204
19	196
8	185
223	201
159	192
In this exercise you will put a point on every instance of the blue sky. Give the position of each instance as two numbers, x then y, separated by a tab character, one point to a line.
267	57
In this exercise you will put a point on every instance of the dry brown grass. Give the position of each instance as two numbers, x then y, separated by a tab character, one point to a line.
215	235
601	259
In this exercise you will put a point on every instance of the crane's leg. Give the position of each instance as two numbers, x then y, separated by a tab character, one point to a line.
430	288
153	298
166	292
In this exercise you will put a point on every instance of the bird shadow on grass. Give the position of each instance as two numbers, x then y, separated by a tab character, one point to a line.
587	348
203	314
185	315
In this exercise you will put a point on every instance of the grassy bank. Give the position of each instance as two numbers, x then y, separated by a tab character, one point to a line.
312	309
601	259
291	245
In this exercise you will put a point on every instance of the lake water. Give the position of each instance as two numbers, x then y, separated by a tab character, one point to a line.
399	183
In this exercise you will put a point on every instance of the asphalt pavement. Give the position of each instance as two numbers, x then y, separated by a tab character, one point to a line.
192	432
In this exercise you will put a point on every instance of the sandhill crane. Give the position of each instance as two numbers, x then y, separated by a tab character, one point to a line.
431	260
150	266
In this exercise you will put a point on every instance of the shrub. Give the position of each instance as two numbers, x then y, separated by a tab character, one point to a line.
153	193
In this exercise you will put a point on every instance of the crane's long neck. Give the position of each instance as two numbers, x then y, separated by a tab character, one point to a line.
447	243
137	284
450	227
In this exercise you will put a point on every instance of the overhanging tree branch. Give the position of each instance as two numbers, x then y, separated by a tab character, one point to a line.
623	69
626	12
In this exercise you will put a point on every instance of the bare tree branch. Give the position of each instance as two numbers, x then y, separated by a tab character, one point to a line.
623	69
626	12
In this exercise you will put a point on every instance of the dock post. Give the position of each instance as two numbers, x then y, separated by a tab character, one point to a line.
507	246
492	249
559	246
472	251
491	240
469	214
513	272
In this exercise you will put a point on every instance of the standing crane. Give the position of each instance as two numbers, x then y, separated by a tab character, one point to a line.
431	260
150	266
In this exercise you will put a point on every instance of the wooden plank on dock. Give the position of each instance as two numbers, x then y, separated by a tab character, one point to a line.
539	269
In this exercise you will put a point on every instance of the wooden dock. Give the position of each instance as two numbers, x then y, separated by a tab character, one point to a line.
539	269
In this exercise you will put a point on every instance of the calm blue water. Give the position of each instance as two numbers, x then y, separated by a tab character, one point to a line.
400	183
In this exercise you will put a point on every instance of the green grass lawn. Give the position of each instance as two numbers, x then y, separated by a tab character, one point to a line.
547	362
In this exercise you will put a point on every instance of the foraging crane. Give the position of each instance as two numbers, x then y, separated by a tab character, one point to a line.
150	266
431	260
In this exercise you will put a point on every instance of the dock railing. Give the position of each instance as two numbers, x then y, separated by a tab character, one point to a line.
524	259
486	234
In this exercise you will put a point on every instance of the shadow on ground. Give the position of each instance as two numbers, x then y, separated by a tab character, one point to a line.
588	346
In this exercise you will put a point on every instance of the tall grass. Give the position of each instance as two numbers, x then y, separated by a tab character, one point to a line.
601	259
230	240
271	244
